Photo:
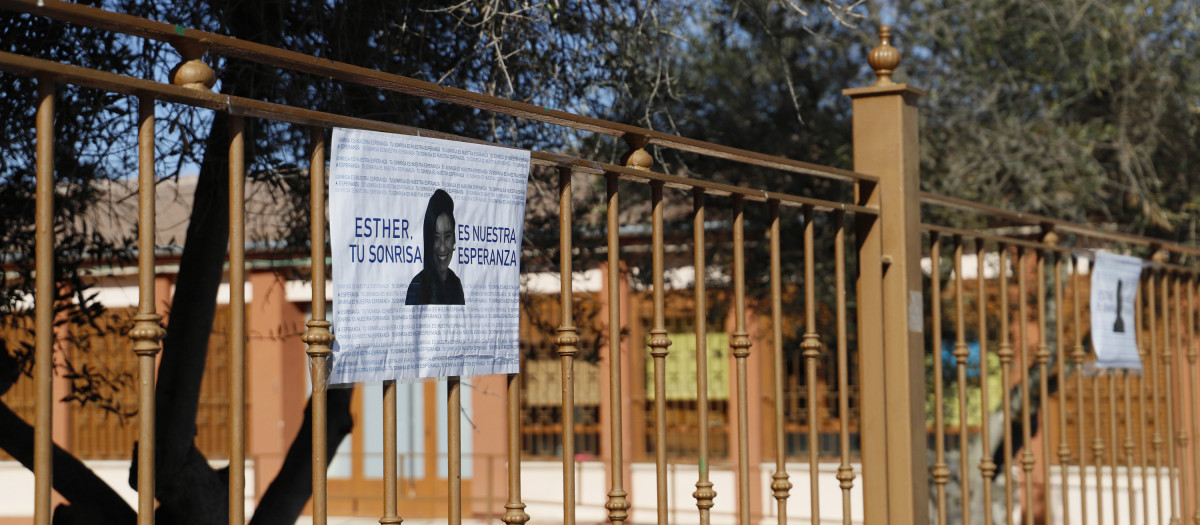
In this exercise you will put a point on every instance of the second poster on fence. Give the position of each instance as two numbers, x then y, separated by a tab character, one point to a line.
1113	304
426	246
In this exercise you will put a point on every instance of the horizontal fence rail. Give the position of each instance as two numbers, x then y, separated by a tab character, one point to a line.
959	404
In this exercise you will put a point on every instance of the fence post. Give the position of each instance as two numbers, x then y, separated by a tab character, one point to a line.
890	295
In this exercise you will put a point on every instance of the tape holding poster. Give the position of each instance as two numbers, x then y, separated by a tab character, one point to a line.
1113	300
426	244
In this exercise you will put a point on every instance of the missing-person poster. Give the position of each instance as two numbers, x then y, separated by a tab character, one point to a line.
1113	300
425	236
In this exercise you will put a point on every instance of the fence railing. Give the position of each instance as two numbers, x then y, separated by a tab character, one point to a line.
1046	373
884	326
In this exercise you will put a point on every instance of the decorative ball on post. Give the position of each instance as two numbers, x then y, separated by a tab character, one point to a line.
637	157
781	487
318	338
811	346
884	58
618	506
1160	255
147	332
514	513
705	494
192	72
567	341
1050	238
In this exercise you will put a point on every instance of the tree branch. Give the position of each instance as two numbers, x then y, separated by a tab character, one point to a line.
285	497
89	495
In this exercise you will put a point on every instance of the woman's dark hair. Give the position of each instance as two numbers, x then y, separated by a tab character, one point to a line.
439	203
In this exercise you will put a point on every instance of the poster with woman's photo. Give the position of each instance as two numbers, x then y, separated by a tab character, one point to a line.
425	236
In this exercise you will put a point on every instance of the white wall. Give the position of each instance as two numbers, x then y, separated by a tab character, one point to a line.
541	489
1140	495
16	485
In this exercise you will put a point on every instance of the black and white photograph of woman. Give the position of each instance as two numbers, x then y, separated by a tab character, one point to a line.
437	283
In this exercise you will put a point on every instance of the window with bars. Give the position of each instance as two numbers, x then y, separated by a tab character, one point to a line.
541	380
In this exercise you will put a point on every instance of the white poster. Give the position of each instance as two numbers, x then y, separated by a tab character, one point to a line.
426	242
1114	296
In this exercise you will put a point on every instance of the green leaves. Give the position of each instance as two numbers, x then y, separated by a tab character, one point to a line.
1038	100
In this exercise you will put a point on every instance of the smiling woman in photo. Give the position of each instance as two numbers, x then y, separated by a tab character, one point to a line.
436	283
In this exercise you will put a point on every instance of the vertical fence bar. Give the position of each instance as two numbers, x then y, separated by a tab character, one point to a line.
1186	404
1027	460
1080	412
960	360
739	346
941	472
1155	351
1128	387
1130	446
514	508
454	447
617	504
390	505
987	467
43	445
567	340
317	336
1113	452
658	350
237	320
1042	358
1173	439
1194	403
1098	447
1064	448
1143	356
780	486
811	347
1006	359
704	493
146	333
845	473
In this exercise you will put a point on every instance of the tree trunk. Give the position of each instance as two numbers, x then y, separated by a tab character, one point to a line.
284	499
188	490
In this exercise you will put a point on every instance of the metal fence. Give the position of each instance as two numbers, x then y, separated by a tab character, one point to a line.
1077	423
883	330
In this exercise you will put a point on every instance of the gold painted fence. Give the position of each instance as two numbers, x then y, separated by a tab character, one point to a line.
1032	433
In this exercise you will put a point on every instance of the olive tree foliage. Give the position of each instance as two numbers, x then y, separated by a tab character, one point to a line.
1081	110
86	160
1076	110
761	75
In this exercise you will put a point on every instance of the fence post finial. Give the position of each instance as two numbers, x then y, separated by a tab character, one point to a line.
192	72
1049	238
637	157
884	58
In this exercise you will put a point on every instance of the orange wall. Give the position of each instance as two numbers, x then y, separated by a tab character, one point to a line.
276	365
